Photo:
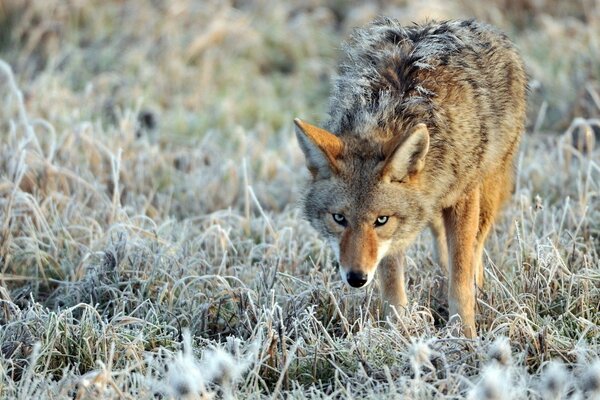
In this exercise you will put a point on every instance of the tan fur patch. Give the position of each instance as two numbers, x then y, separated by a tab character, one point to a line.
358	249
330	144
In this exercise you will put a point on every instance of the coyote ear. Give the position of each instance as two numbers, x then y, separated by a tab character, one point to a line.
408	156
321	149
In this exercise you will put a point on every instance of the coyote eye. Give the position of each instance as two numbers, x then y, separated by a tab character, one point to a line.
340	219
382	220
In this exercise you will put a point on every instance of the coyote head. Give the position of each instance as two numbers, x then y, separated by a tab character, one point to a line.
366	197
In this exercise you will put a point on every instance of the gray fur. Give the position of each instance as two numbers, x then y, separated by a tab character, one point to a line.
364	99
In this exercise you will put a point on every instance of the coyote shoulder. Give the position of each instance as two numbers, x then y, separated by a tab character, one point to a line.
424	122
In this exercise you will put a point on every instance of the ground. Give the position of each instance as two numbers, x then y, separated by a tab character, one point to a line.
150	240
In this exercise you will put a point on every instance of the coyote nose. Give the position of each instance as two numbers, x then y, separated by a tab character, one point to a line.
356	279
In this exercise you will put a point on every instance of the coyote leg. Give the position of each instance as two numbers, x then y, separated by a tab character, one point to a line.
441	244
391	281
494	192
461	222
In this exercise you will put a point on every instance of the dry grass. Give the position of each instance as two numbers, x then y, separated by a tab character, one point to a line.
150	240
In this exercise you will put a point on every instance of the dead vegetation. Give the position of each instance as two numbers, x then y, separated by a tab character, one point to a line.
150	243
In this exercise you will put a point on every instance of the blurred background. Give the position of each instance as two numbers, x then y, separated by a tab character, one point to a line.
201	65
228	77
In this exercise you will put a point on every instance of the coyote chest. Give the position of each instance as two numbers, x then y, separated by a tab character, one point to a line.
424	122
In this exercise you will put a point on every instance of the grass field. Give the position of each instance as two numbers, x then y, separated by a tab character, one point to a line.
150	240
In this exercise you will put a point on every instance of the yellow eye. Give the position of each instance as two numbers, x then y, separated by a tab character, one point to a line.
381	220
340	219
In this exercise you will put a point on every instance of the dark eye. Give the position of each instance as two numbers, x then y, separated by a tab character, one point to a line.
340	219
382	220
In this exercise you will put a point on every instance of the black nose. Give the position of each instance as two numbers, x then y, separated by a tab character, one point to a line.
356	279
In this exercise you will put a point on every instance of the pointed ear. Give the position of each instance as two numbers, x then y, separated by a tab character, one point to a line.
407	157
321	149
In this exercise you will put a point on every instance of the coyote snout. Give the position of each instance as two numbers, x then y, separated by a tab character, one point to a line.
357	279
359	251
424	122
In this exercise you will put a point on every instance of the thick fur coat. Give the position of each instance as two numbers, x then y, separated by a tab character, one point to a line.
424	122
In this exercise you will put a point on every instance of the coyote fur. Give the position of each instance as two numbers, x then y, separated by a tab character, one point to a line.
424	123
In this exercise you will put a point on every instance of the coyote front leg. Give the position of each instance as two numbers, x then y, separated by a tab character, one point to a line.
391	281
462	222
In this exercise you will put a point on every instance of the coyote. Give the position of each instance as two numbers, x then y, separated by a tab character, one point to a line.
424	122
